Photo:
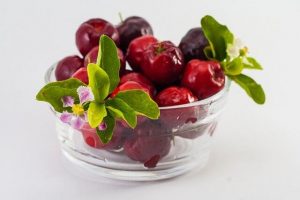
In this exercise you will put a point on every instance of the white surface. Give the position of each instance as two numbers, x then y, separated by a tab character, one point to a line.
256	153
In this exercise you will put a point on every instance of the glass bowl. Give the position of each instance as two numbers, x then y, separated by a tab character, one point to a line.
156	149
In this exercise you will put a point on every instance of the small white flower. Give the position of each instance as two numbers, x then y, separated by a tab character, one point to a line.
233	50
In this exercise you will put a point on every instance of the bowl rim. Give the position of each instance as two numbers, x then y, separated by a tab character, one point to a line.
219	95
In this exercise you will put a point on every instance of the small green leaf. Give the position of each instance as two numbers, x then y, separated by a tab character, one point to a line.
208	53
141	102
53	92
218	36
96	113
109	61
122	110
251	63
235	67
106	135
114	112
253	89
98	81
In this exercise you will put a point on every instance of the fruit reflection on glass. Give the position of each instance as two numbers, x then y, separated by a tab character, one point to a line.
166	94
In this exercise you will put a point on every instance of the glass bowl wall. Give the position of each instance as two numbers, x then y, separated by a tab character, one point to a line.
156	149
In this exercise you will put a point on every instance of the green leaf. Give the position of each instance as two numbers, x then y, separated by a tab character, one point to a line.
217	35
141	102
208	53
53	92
235	67
251	63
98	81
122	110
109	61
253	89
96	113
106	135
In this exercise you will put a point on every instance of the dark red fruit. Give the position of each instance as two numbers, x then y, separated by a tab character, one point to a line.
92	139
81	74
193	44
67	67
175	96
148	144
91	57
131	28
203	78
129	85
163	63
136	49
152	162
89	32
139	78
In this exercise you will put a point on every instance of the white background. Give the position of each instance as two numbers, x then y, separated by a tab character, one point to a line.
256	153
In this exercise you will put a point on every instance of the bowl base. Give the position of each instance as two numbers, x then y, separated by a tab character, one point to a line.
96	172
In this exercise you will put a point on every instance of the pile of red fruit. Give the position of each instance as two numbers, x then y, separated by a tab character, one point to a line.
170	74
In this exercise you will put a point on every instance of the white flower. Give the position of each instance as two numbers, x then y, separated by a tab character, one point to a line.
233	50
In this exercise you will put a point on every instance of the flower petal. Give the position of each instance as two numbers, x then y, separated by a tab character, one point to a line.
66	117
68	101
233	50
238	43
85	94
102	126
77	122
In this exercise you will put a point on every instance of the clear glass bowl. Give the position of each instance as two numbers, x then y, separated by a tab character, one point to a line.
156	149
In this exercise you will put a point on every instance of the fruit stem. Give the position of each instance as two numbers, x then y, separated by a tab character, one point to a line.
159	49
120	16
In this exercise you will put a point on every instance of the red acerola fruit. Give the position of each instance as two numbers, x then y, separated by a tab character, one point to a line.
136	49
119	135
139	78
148	144
91	57
203	78
129	85
67	67
89	32
172	96
81	74
163	63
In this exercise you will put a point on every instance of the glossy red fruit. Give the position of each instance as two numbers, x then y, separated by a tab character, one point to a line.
129	85
67	67
139	78
89	32
119	135
174	118
163	63
175	96
135	50
81	74
131	28
203	78
148	144
91	57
